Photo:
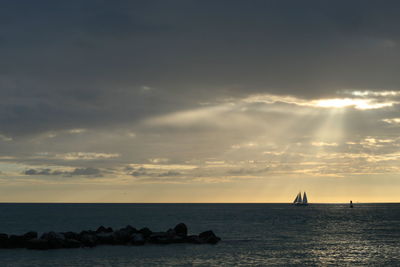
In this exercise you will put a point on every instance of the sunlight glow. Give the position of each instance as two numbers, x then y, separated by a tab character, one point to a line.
348	102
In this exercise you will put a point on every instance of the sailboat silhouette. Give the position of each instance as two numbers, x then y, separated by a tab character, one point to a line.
298	201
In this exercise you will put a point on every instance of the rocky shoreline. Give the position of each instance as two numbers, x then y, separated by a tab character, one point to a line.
105	236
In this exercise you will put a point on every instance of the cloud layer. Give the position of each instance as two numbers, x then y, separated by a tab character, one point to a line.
198	92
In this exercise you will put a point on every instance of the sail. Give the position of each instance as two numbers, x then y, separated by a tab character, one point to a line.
296	200
299	200
305	201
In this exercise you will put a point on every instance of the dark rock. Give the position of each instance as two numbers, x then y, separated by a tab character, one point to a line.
3	240
54	240
103	229
71	235
105	238
193	239
71	243
161	238
122	236
181	229
87	232
130	229
40	244
30	235
137	239
16	241
209	237
146	232
88	240
52	235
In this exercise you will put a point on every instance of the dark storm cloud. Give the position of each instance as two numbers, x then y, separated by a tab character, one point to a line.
89	64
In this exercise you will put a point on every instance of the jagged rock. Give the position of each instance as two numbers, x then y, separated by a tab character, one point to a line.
146	232
137	239
3	240
105	238
30	235
71	243
122	236
181	229
130	229
193	239
71	235
103	229
52	235
88	240
209	237
54	240
16	241
87	232
161	238
40	244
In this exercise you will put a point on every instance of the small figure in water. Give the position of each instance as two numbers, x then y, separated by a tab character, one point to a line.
351	204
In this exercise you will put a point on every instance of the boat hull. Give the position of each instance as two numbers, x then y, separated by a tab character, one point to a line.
301	204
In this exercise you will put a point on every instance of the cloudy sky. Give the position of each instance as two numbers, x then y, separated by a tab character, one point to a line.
199	101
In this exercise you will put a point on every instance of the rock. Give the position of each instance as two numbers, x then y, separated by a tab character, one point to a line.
105	238
181	229
3	240
146	232
103	229
209	237
87	232
122	236
71	235
52	235
20	241
16	241
40	244
54	240
130	229
193	239
30	235
71	243
161	238
88	240
138	239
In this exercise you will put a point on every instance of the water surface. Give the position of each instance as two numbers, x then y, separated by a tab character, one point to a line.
252	234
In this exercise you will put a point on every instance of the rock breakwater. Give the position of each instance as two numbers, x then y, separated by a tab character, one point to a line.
105	236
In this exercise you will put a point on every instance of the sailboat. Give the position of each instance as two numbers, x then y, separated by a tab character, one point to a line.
298	201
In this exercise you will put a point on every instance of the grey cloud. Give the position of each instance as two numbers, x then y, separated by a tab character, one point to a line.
95	56
169	173
111	67
76	172
247	171
153	173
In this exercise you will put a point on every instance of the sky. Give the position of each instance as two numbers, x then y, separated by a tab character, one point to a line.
199	101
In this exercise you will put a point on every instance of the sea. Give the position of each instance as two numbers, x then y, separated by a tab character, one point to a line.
252	234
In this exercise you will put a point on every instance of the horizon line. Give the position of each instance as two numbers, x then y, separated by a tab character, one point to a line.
312	203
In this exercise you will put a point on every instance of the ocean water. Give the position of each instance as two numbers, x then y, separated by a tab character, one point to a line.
252	234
